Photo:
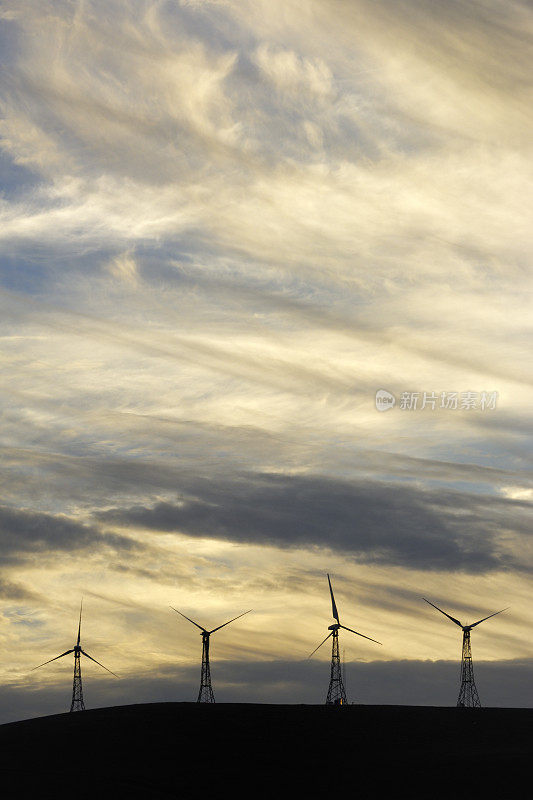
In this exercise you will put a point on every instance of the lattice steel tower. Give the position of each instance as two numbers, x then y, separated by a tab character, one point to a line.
336	692
77	703
206	695
468	694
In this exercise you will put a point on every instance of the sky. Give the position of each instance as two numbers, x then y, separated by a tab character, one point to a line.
224	227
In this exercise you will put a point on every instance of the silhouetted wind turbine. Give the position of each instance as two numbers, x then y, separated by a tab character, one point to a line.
468	695
336	692
205	695
77	703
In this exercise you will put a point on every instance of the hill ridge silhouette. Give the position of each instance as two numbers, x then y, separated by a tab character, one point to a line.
190	750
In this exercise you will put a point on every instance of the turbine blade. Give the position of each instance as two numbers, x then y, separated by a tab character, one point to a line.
79	626
190	620
490	615
97	662
52	659
227	623
360	634
443	612
320	645
333	604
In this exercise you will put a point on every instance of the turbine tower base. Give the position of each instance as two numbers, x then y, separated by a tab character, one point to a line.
336	692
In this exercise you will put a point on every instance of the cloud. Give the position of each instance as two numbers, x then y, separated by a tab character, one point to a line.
186	140
10	590
292	74
372	522
124	267
24	533
517	493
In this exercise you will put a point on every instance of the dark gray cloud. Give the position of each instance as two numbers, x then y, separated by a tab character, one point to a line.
371	521
27	532
407	682
55	481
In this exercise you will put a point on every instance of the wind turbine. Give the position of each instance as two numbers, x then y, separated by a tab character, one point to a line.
336	692
205	695
468	695
77	703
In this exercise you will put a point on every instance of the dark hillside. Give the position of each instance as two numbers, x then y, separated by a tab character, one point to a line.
187	750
